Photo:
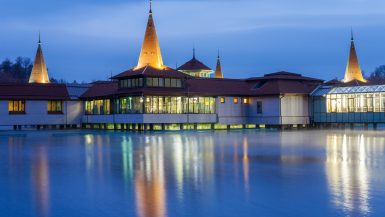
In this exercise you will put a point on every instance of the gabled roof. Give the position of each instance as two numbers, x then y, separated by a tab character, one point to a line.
285	76
194	64
101	89
33	92
149	71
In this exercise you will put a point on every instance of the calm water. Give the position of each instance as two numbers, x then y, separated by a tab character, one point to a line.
238	173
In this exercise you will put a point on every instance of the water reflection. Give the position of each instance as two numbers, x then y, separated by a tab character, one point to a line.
150	179
348	170
41	183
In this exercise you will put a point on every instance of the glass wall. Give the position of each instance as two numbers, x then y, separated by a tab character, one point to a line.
98	107
358	102
159	105
129	105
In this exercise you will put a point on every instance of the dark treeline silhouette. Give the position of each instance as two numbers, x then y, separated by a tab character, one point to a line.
17	71
378	76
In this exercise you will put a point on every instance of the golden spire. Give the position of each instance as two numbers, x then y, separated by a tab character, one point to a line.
39	72
150	54
218	70
353	69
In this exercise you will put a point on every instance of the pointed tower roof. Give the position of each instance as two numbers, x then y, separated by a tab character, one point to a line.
39	72
193	64
353	69
150	54
218	69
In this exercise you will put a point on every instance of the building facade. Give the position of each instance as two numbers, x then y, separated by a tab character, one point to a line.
153	96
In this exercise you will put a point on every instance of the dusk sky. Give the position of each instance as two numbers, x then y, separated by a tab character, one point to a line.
88	40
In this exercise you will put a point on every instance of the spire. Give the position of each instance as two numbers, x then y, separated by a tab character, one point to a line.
150	54
218	69
353	69
150	7
39	72
194	52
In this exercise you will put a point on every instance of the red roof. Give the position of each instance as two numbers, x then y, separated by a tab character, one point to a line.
150	71
101	89
14	91
286	76
194	64
271	84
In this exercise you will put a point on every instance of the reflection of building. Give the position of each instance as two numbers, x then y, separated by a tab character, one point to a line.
347	170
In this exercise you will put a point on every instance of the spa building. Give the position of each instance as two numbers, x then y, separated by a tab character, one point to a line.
154	96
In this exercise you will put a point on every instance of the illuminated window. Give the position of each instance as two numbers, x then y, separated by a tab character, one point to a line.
16	107
245	100
99	107
55	107
222	100
235	100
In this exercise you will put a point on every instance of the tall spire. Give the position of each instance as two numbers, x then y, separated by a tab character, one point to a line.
150	54
194	52
39	72
218	69
353	69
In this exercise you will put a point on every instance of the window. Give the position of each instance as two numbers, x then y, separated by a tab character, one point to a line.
222	100
245	100
235	100
55	107
98	107
16	107
259	107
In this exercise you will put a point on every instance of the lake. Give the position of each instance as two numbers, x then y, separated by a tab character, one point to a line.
223	173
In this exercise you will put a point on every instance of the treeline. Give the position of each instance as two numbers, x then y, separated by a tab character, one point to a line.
19	70
378	76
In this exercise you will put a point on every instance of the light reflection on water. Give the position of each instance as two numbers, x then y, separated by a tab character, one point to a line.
293	173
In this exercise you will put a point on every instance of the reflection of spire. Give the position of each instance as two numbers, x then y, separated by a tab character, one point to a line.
150	181
246	163
40	172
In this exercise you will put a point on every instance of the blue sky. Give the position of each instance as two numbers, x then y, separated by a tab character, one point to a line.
88	40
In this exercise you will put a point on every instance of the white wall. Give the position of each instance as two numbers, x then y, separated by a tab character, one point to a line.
36	113
295	109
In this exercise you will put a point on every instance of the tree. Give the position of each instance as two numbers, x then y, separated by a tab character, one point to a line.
17	71
378	76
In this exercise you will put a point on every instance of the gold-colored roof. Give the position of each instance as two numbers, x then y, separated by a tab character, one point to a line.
39	72
150	54
218	69
353	69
